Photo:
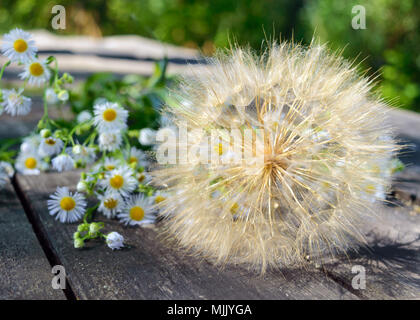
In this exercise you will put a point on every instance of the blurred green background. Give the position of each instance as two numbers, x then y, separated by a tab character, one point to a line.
390	43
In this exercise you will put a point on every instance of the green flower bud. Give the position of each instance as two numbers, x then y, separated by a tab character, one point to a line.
59	134
83	227
76	235
79	243
45	133
63	95
94	228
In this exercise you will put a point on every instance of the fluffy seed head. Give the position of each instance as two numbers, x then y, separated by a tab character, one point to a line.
320	152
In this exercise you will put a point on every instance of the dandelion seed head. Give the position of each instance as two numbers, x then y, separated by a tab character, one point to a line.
319	137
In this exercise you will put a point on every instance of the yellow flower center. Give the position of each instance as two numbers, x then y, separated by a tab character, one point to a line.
116	181
219	149
141	178
159	199
109	115
110	203
137	213
109	167
234	208
20	45
133	159
370	189
50	141
30	163
36	69
67	203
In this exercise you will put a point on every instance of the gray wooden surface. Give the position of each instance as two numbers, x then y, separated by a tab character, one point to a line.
149	269
25	272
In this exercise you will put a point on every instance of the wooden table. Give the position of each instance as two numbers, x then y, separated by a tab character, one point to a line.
31	242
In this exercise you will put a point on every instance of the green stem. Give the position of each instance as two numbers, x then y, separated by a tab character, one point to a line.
4	67
89	213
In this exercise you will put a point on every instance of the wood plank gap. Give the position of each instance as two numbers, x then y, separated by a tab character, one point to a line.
342	282
41	235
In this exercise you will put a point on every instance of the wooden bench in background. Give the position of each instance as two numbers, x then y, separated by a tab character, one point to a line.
31	241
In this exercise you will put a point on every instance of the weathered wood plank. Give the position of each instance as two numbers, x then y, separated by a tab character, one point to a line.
392	259
149	269
118	54
25	272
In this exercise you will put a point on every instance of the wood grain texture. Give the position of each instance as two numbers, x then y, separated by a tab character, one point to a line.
25	272
149	269
391	259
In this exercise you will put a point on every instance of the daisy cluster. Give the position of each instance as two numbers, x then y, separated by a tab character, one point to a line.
117	175
99	140
19	47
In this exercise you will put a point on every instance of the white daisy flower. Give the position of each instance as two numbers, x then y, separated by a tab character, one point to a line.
110	117
143	177
138	157
114	240
50	146
18	46
120	180
29	163
159	196
84	116
111	164
147	136
30	144
111	204
36	72
82	154
110	141
63	162
66	206
15	103
137	211
7	167
51	96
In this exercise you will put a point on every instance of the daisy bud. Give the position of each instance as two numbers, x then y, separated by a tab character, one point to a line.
68	77
7	167
45	133
114	240
94	228
59	134
77	149
81	186
63	95
76	235
79	243
84	116
51	96
82	227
